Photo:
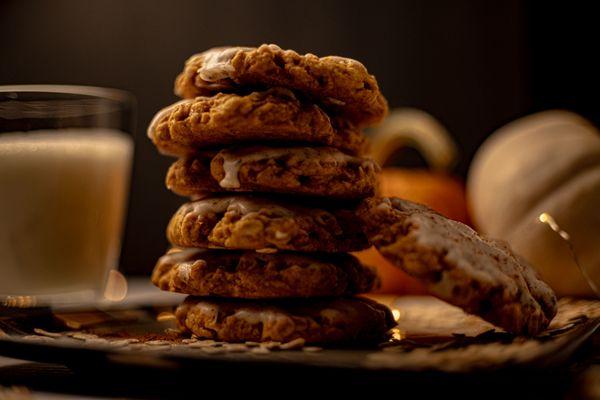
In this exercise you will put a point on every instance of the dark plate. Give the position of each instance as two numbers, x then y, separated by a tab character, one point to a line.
437	350
431	336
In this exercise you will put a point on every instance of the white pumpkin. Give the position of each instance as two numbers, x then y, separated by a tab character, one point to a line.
547	162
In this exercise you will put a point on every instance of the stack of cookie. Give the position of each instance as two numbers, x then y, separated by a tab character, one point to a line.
271	155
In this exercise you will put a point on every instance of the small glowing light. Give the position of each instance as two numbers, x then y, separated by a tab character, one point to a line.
397	334
116	286
20	301
551	222
266	250
396	314
165	316
547	219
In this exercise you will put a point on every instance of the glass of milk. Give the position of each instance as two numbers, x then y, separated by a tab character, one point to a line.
65	162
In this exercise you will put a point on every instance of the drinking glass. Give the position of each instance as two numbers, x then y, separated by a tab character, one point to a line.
65	164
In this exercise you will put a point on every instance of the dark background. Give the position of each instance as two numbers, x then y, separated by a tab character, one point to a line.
474	65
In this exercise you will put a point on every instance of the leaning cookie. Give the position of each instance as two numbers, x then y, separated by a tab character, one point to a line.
342	85
251	275
324	321
311	171
482	276
275	115
255	223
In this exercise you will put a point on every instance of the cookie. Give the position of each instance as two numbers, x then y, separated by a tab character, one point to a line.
312	171
324	321
251	275
341	85
254	223
482	276
274	115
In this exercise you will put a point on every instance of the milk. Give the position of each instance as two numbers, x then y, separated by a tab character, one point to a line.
62	202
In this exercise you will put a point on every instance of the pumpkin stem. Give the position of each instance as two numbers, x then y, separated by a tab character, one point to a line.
419	130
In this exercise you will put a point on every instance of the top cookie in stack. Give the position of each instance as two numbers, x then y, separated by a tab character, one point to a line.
256	126
341	85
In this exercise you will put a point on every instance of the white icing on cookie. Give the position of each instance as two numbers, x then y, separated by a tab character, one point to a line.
216	63
231	166
243	205
234	159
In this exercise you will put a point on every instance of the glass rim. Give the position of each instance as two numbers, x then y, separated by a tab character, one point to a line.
95	91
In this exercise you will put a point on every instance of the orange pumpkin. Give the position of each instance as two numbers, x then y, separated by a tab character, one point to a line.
441	191
432	187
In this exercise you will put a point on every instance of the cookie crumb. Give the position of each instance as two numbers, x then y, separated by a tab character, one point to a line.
43	332
158	343
37	338
203	343
267	250
82	336
260	350
293	344
119	343
312	349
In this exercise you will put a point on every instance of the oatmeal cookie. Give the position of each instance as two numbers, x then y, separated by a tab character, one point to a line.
255	223
482	276
274	116
251	275
311	171
341	85
325	321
